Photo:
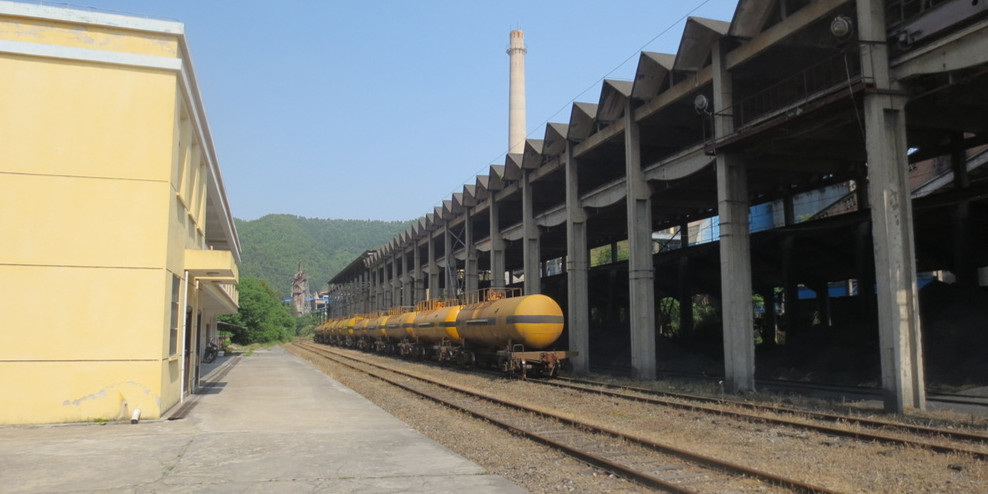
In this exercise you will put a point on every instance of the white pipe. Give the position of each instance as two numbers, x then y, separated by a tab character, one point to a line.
136	416
184	310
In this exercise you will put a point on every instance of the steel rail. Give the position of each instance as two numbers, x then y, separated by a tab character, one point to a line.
656	446
861	435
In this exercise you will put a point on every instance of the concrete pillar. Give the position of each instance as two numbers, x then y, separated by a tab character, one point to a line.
497	246
365	292
395	286
963	265
418	294
768	296
450	264
788	210
685	296
382	280
470	265
433	270
735	248
900	341
641	272
533	282
406	280
577	268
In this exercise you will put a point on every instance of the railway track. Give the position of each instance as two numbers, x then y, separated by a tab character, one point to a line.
974	444
862	392
647	462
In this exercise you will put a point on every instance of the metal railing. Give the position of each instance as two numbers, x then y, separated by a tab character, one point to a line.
790	93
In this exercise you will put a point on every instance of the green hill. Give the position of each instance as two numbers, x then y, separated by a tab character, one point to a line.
274	245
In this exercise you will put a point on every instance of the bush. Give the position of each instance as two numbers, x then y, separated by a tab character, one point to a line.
262	313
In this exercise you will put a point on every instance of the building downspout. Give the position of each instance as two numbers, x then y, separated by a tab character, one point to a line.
181	368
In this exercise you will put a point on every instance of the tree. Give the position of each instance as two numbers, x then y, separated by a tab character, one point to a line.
262	313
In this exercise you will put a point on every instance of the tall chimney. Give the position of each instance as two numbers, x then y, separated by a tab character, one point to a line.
516	93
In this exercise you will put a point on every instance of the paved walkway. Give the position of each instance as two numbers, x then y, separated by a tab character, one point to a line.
271	423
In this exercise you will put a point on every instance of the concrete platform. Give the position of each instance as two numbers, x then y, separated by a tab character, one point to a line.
272	423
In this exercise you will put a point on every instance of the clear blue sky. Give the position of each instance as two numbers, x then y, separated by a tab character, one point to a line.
382	109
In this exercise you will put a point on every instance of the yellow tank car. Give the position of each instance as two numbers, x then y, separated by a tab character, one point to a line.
396	326
535	321
380	325
435	320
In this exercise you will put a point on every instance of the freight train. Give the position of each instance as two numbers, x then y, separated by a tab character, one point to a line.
497	328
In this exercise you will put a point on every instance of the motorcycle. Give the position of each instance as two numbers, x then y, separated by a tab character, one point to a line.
211	351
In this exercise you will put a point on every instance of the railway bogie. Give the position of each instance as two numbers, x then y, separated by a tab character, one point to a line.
493	329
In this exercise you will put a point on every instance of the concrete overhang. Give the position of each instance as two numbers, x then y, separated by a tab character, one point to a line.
532	158
452	207
968	47
480	188
513	166
581	121
681	165
750	17
554	142
613	99
495	179
605	195
698	40
469	195
652	75
459	202
513	232
211	263
553	217
484	245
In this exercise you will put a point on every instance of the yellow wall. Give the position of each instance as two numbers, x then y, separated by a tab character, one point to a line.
102	188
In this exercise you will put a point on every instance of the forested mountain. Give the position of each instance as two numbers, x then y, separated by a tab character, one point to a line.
274	245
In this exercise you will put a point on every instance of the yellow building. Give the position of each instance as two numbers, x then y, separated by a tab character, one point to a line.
119	249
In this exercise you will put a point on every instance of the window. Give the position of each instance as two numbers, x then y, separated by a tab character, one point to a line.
173	332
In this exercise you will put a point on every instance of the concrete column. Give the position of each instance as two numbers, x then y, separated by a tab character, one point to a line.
382	283
395	281
365	292
864	263
470	265
641	272
735	248
393	295
963	265
433	270
788	210
768	296
497	246
406	280
577	268
450	264
418	278
685	296
371	288
900	341
533	282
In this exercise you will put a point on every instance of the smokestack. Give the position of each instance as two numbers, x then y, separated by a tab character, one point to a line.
516	93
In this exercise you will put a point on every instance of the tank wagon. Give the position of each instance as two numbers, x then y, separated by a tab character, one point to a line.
497	328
